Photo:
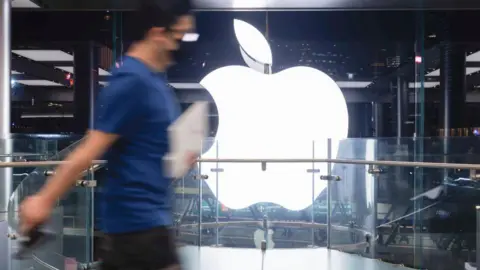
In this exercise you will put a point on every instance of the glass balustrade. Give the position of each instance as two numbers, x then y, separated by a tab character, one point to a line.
399	214
70	219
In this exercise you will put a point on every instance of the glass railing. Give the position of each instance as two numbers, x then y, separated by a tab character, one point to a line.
20	150
376	211
314	194
71	218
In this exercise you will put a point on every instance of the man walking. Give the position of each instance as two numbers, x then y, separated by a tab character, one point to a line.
134	113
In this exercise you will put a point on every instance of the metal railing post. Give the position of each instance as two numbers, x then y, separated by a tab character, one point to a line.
217	205
477	249
313	195
329	195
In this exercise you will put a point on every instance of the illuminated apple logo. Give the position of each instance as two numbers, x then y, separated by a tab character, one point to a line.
263	115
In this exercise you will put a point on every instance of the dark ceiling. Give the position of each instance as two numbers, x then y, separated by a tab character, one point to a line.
368	45
362	50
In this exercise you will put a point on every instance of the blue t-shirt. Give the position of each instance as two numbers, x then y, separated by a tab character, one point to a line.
139	106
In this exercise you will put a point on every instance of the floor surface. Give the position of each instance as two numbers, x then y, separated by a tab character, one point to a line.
213	258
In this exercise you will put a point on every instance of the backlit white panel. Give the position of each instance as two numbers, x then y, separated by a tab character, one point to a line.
29	116
469	71
472	70
186	85
425	85
475	57
352	84
67	69
341	84
38	83
101	71
44	55
24	4
434	73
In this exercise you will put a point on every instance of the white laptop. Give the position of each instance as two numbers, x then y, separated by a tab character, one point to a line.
186	135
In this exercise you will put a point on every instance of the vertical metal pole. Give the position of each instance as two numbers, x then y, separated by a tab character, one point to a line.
200	201
313	194
378	119
183	191
418	139
5	64
453	85
5	84
399	110
477	250
86	84
446	85
93	82
90	224
218	198
329	195
374	186
375	119
114	38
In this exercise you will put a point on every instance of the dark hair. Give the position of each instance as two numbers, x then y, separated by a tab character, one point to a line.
159	13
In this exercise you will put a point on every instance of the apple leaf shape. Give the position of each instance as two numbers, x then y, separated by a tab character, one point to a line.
252	43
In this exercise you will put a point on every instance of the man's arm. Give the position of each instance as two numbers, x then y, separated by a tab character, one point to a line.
94	146
119	105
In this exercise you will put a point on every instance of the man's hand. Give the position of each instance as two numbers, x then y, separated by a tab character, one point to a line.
191	159
34	211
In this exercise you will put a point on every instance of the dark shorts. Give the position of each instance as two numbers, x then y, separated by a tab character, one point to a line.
153	249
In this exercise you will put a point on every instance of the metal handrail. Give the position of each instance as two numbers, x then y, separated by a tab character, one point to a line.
44	264
461	166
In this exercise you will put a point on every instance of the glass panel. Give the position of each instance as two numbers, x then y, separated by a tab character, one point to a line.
70	220
78	227
320	194
257	202
186	203
352	198
445	239
447	206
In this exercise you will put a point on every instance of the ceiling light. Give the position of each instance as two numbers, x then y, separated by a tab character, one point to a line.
24	4
341	84
38	83
425	84
469	70
44	55
101	71
474	57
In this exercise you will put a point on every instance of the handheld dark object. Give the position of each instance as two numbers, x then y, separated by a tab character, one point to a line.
35	238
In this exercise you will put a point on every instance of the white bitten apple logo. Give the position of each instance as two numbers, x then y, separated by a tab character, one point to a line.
264	115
